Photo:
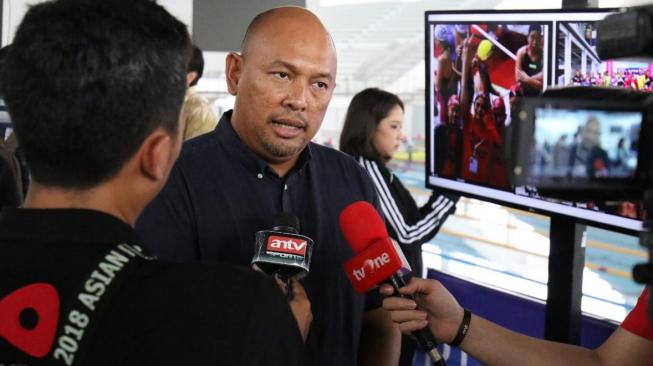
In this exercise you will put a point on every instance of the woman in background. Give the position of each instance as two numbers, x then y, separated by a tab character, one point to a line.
446	80
372	134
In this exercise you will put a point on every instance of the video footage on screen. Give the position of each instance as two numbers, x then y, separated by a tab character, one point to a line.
584	144
519	59
507	64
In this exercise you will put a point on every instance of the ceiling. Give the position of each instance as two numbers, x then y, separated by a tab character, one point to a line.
381	43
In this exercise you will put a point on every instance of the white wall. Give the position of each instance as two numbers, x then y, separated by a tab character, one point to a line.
12	13
182	9
14	10
621	3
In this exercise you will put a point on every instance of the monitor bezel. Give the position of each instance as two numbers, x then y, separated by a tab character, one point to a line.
508	198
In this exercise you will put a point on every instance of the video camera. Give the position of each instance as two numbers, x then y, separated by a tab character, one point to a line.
620	167
616	168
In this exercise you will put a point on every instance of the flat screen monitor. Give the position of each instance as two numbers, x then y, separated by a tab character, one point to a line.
510	55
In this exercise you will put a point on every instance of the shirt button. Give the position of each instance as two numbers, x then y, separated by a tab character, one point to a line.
285	187
259	175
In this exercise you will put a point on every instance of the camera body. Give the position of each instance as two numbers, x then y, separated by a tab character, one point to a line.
619	168
590	172
626	35
617	39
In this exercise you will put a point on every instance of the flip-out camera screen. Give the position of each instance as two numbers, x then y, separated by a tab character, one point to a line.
584	145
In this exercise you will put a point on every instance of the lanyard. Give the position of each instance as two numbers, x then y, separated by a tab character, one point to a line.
87	306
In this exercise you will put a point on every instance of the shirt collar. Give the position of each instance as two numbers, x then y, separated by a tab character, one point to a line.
386	172
64	226
238	151
191	91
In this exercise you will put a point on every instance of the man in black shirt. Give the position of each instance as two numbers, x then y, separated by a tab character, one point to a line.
94	89
258	162
8	190
586	158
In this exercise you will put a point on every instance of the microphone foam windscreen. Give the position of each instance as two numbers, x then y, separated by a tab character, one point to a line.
286	220
361	225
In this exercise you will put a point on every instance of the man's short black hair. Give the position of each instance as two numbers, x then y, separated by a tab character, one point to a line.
86	81
196	64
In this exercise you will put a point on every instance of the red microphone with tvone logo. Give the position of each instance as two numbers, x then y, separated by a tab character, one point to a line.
378	259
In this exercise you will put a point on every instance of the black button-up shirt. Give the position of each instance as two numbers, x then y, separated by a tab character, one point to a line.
220	194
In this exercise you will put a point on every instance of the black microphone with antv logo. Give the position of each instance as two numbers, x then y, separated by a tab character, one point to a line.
282	251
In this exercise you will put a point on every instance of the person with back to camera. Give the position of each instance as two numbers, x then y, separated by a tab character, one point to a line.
630	344
259	162
198	115
95	90
372	134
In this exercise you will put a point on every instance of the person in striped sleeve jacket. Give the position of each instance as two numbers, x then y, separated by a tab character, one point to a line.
372	133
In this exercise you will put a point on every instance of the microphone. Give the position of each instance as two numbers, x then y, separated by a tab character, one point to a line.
282	251
378	259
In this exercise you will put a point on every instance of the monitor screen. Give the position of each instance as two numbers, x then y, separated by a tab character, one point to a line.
584	144
503	56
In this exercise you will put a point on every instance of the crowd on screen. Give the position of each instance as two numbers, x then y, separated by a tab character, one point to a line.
631	79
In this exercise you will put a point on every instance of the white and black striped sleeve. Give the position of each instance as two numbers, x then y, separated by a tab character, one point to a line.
430	219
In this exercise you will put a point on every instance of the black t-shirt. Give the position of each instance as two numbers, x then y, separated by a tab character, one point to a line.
140	312
531	68
8	189
220	193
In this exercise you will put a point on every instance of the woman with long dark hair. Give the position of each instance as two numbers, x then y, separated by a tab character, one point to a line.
372	134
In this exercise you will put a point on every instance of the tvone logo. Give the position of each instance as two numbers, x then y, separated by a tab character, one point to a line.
371	265
287	245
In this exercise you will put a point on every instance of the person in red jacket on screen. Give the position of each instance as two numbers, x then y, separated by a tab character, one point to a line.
479	130
499	175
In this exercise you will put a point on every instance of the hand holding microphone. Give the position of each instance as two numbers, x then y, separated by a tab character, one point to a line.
285	254
300	305
431	305
378	259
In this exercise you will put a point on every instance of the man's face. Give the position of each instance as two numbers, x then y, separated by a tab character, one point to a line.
499	116
591	134
284	87
453	113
